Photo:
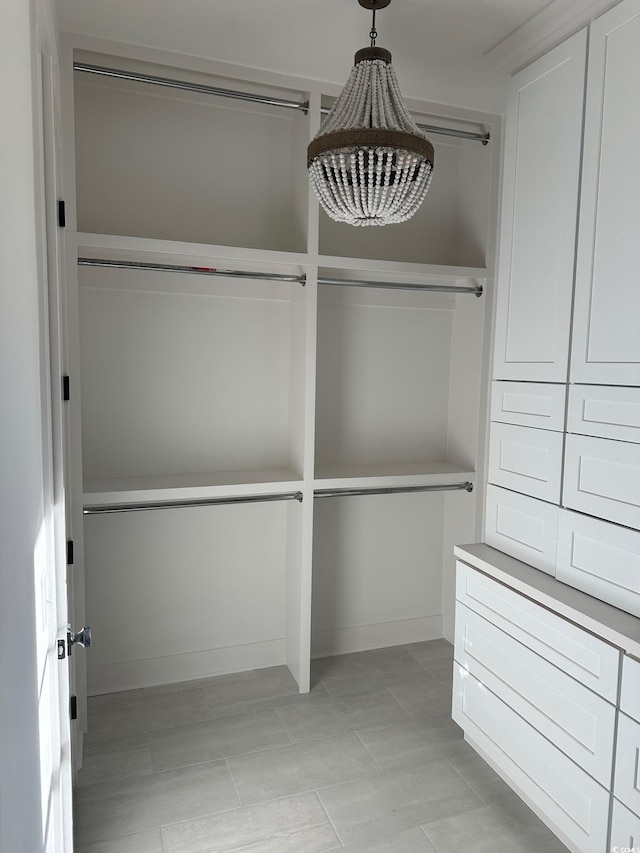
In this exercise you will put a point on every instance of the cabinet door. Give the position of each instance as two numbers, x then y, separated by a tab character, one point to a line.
606	337
526	460
540	208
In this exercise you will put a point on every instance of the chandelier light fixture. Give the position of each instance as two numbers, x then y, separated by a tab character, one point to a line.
370	164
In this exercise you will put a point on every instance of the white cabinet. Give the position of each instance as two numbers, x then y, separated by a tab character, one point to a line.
630	692
532	404
625	829
601	559
524	527
526	460
580	723
626	786
602	478
540	206
605	412
562	793
606	336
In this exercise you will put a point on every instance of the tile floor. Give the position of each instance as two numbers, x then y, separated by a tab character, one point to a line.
369	762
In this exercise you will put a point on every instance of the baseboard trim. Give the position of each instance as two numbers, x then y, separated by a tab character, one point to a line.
130	675
342	641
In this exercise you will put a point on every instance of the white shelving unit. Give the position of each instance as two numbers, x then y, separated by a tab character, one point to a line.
197	388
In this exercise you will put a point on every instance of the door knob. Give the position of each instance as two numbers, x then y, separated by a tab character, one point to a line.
82	638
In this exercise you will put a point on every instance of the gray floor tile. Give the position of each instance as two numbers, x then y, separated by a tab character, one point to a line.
423	699
490	830
255	686
481	777
113	809
409	743
394	800
328	716
300	767
142	842
136	712
364	671
106	759
433	654
291	825
219	738
411	840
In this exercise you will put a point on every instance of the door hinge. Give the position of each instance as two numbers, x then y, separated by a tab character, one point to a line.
69	552
62	214
62	649
73	707
66	392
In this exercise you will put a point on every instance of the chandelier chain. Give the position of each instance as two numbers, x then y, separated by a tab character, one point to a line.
373	35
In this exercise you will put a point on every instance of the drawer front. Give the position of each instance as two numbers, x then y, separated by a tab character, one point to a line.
601	559
570	800
625	829
605	412
626	785
576	720
630	695
586	658
524	527
602	478
532	404
526	460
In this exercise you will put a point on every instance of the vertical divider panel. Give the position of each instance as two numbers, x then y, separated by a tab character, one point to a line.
300	517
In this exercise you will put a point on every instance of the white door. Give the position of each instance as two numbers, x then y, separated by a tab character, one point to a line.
51	549
606	334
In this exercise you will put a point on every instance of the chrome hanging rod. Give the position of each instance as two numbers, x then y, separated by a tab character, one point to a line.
139	265
392	490
143	507
302	106
170	83
476	289
444	131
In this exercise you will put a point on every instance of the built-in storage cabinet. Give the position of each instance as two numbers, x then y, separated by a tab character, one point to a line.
539	216
204	382
606	342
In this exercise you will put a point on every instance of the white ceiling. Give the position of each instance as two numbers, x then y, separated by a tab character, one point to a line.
438	45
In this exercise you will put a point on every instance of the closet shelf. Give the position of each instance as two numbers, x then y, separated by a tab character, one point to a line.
123	248
397	270
177	487
391	475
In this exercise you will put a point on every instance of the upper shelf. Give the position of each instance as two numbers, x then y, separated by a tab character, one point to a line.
391	475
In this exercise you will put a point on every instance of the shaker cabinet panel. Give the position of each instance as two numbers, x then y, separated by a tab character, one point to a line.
602	478
533	404
526	460
523	527
625	828
540	205
626	785
601	559
606	337
605	412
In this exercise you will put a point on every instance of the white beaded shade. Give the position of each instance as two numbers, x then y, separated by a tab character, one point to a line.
370	164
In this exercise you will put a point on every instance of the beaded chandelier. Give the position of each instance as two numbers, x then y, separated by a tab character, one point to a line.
370	164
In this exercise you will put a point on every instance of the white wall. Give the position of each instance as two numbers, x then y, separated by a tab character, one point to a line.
20	440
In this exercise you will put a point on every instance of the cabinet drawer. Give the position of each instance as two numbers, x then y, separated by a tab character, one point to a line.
602	478
630	695
625	829
524	527
526	460
605	412
581	655
601	559
626	785
567	798
580	723
533	404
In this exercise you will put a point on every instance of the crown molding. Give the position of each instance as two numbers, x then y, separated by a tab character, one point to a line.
549	27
